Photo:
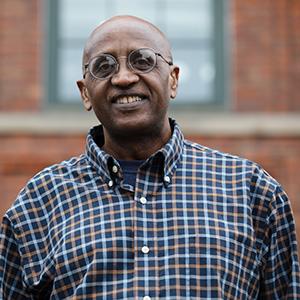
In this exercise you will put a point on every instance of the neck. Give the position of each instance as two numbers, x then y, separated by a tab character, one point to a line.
136	147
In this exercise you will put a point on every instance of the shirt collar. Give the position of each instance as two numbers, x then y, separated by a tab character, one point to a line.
170	154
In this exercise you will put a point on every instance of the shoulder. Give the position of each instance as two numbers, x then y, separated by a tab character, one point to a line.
49	184
196	150
233	167
72	168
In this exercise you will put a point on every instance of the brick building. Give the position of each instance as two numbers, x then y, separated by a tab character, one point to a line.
258	119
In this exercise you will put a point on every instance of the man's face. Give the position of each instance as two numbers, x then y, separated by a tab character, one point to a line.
109	97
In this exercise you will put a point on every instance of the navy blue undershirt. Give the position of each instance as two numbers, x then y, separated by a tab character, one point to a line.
130	168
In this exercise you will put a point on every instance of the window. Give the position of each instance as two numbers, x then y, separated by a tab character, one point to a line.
194	27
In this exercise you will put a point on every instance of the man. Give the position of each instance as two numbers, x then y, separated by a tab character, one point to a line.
144	213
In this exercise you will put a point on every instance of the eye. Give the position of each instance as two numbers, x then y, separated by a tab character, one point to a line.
103	66
142	60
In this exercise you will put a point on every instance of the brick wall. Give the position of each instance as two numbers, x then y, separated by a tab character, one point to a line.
265	55
20	55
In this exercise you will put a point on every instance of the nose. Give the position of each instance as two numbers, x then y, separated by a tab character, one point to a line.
124	76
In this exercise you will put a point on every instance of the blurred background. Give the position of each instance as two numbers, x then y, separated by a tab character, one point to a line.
239	86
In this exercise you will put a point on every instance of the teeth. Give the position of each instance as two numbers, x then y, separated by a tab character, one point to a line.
128	99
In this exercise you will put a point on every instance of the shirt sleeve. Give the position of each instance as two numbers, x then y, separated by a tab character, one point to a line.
280	273
11	284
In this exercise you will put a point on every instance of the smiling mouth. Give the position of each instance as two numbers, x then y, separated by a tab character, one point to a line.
128	99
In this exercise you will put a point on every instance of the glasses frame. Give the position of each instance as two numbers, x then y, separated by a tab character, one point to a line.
86	67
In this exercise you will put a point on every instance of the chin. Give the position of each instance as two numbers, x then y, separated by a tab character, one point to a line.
135	128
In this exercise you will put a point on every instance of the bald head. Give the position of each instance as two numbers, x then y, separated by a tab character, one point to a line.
120	25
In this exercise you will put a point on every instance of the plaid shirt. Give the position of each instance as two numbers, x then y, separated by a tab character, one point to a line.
200	224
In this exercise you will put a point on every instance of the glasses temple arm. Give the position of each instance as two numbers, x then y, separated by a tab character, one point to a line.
170	63
84	70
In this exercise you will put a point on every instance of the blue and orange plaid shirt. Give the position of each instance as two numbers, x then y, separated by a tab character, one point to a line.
199	224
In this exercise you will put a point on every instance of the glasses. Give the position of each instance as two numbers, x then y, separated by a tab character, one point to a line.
138	61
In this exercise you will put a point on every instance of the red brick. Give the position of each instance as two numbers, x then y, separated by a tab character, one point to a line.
20	55
266	68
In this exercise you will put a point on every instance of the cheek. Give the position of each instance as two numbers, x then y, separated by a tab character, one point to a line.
161	85
98	94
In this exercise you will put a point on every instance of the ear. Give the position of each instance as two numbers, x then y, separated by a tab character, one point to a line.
84	95
174	76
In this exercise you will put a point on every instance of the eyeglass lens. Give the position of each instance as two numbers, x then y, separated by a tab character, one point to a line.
140	61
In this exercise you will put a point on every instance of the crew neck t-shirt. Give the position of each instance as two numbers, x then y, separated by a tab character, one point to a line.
130	168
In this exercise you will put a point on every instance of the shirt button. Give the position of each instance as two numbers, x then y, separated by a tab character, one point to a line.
145	249
146	298
115	169
167	179
110	183
143	200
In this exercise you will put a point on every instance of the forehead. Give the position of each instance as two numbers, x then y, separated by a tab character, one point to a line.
120	37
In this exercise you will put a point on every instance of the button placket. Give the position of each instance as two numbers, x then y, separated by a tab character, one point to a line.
144	192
